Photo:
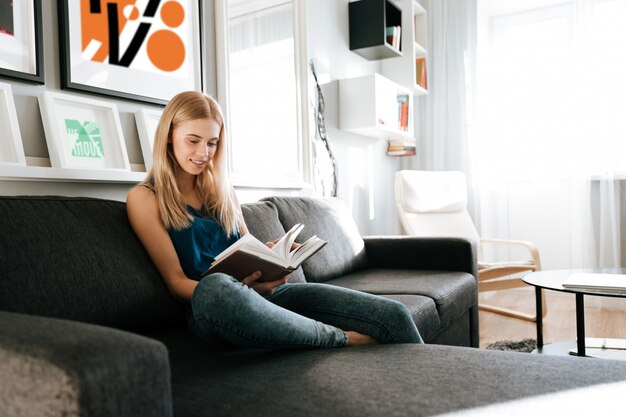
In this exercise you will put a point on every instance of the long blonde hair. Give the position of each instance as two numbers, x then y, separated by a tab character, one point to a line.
215	191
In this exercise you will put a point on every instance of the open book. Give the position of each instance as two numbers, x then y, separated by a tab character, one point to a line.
248	255
596	282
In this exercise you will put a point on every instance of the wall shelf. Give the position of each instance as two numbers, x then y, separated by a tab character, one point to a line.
9	172
407	69
370	106
368	23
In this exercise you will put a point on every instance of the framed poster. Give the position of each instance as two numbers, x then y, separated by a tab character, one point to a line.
11	149
21	40
82	133
142	50
147	122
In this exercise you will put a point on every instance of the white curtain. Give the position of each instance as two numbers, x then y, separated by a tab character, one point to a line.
551	135
542	132
444	118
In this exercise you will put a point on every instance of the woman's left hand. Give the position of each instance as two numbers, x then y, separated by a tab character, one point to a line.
263	288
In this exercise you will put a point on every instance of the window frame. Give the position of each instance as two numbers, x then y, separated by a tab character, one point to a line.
303	177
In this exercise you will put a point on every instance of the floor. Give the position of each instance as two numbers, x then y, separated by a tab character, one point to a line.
559	323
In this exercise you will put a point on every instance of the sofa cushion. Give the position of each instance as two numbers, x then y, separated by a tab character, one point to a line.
424	314
364	381
453	292
263	223
330	220
78	259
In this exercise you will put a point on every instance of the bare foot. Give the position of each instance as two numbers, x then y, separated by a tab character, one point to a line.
356	338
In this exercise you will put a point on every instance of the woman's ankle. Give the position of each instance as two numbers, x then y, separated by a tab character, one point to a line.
356	339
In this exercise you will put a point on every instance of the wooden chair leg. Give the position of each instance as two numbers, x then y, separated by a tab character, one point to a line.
517	314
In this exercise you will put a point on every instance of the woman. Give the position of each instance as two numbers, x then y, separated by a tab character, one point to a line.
186	212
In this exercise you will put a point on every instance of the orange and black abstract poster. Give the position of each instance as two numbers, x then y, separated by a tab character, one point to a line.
117	31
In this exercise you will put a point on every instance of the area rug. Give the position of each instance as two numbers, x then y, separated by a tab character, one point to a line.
524	345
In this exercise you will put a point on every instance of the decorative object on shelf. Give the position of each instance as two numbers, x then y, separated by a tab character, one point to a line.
375	29
147	121
21	41
402	147
145	53
82	133
325	164
11	150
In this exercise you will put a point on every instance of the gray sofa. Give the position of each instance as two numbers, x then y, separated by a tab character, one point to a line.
87	327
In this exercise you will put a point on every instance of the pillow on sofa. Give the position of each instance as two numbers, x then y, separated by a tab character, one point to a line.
331	220
262	221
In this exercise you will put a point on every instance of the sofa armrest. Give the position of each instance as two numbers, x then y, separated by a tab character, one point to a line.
409	252
61	367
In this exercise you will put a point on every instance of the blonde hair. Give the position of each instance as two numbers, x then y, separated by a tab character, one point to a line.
212	184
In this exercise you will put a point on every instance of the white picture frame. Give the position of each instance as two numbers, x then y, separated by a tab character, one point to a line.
147	122
11	149
144	51
21	41
83	133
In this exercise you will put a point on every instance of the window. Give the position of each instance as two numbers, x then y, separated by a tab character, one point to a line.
553	91
262	89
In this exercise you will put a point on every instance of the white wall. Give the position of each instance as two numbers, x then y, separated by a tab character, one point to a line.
31	127
365	172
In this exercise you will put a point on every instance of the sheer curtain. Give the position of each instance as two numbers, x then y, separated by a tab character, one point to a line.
551	136
444	118
442	115
542	132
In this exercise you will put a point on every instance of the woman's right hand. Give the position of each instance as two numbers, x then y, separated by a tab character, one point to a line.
263	288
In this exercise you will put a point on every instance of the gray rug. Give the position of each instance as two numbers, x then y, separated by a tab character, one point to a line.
525	345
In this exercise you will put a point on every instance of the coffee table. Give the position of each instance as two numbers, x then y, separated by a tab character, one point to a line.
552	280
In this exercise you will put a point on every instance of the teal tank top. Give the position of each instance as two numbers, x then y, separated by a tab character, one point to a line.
199	244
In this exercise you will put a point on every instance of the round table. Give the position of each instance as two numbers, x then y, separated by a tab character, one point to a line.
552	280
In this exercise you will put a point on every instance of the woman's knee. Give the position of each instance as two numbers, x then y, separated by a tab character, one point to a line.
400	319
212	292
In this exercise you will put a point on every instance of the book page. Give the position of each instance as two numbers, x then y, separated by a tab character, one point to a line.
283	246
250	244
307	249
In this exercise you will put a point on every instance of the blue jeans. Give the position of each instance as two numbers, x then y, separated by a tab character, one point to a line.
299	315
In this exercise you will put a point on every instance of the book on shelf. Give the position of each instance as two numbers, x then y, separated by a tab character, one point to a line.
596	282
420	72
411	142
403	111
393	34
406	152
248	254
401	148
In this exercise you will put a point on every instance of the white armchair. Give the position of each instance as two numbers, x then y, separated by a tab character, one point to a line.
434	204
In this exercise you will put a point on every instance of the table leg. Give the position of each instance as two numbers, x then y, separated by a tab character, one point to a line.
580	325
539	313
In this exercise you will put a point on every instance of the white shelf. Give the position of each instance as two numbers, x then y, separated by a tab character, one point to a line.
368	105
414	44
15	172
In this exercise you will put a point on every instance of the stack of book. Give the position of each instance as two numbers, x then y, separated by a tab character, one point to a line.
393	36
401	147
403	112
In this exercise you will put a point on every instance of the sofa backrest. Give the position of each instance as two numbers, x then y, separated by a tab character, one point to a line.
330	220
78	258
